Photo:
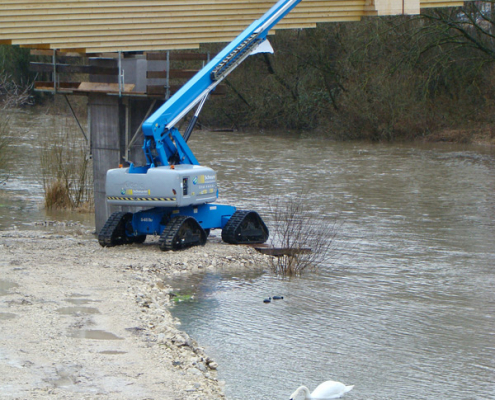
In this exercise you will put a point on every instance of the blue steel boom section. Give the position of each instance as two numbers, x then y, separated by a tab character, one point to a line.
163	143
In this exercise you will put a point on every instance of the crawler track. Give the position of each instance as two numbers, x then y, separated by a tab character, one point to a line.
114	233
245	227
182	232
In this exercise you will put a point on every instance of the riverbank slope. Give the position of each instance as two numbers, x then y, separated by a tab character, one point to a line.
84	322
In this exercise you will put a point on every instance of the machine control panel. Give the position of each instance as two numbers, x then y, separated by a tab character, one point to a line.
185	186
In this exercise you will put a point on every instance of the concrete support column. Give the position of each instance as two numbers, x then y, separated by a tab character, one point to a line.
106	115
112	123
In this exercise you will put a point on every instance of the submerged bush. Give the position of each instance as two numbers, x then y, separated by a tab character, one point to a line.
306	238
66	169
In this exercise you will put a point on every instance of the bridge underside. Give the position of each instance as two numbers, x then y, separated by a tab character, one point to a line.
90	26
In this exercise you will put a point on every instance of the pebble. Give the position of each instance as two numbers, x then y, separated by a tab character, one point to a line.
149	288
213	365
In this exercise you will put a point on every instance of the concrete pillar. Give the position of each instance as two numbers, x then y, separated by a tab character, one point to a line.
113	121
106	115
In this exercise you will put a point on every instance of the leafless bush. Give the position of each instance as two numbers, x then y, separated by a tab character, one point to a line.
13	95
305	237
66	170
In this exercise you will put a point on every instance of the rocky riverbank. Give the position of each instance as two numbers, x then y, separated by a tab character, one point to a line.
80	321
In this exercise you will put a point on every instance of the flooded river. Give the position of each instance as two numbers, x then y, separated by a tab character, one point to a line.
21	188
404	307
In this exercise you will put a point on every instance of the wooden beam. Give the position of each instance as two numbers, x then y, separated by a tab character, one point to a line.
98	87
143	47
149	37
159	90
49	85
74	69
36	46
49	53
173	74
431	4
282	251
177	56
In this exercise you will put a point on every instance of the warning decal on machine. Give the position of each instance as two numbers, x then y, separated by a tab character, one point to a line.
142	198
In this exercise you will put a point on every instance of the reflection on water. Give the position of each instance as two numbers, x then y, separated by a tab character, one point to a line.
404	307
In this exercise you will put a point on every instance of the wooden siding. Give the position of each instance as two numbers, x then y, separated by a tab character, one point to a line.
132	25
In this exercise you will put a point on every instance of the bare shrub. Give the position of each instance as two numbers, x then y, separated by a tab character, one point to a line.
305	237
66	170
13	95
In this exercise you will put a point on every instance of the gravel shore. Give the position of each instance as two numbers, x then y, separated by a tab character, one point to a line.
78	321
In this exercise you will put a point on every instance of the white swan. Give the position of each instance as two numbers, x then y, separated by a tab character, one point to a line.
324	391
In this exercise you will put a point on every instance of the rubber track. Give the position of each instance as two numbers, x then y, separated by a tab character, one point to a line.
229	230
167	237
108	237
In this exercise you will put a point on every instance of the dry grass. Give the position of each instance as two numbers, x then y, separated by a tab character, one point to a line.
66	169
297	230
57	196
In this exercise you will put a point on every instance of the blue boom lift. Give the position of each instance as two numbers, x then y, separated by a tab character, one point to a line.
172	182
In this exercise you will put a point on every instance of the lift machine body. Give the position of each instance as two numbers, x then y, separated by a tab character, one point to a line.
180	192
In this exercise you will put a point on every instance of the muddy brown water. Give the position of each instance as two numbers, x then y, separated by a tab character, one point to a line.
402	309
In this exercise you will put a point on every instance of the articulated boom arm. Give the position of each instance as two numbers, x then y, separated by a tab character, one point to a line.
161	136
